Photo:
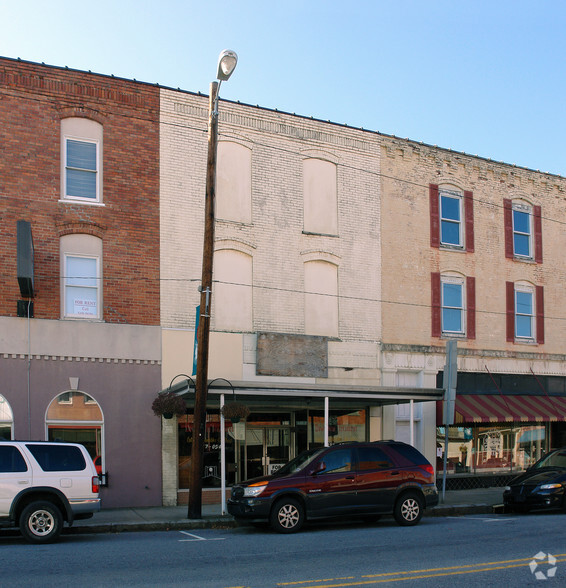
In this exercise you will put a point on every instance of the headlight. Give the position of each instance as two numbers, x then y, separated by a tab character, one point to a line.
550	486
507	489
255	490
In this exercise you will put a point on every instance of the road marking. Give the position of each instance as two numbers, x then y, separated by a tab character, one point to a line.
417	574
197	538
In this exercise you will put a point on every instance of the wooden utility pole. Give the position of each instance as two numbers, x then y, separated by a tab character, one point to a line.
201	388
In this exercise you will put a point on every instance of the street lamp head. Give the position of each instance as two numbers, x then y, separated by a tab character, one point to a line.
226	64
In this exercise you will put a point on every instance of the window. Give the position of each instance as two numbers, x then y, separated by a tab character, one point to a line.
81	279
11	460
525	313
234	182
373	458
81	287
320	197
58	458
81	169
321	298
451	218
338	461
523	231
453	305
81	160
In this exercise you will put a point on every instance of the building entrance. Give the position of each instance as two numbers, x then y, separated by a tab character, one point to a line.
266	449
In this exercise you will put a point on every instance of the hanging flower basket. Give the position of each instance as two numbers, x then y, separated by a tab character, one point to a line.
235	411
168	404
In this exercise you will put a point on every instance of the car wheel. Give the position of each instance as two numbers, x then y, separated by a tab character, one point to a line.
408	509
41	522
287	516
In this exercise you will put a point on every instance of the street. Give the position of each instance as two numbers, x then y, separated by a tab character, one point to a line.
480	550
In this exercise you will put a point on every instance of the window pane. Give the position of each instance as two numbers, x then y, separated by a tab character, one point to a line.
450	208
80	301
450	233
81	155
452	295
81	184
81	271
523	326
451	320
521	244
521	221
524	302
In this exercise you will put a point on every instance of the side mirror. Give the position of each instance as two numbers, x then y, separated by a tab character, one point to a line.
318	468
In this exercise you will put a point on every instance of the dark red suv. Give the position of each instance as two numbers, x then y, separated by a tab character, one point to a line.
354	479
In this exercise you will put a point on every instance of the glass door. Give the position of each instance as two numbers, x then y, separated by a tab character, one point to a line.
266	449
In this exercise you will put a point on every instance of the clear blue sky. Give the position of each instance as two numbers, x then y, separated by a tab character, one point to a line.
481	76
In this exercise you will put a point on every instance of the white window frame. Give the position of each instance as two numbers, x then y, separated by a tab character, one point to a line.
525	289
66	285
443	192
453	280
95	172
525	209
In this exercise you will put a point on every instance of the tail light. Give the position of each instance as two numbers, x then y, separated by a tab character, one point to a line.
427	468
95	484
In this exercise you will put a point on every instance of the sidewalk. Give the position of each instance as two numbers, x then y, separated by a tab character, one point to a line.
118	520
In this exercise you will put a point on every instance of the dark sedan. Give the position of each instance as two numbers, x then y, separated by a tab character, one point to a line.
541	486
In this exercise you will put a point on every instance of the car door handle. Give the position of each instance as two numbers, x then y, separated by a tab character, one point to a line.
395	473
350	477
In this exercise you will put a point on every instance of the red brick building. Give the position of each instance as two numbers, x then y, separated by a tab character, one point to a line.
80	168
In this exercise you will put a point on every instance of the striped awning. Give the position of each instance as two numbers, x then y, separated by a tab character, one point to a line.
484	408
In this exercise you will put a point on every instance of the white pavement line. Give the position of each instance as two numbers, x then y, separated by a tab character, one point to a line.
197	538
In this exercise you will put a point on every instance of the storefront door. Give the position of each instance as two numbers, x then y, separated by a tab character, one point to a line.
266	449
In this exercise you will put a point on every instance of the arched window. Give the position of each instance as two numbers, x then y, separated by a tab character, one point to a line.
6	419
76	417
81	276
321	298
81	160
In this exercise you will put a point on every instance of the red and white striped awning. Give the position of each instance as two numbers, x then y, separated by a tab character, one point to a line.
484	408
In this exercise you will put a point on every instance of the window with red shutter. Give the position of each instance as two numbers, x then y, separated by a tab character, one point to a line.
510	310
434	216
471	307
508	227
469	218
540	314
435	304
537	215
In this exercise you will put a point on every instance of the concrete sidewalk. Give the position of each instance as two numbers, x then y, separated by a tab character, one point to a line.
456	503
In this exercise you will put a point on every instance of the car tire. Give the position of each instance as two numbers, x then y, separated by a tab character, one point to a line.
287	516
41	522
408	509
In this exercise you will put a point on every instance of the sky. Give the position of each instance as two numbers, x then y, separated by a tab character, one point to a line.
484	77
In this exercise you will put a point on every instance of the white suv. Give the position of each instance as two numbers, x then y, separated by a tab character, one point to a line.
43	484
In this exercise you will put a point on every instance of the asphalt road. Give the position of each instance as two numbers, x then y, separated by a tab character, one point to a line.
481	550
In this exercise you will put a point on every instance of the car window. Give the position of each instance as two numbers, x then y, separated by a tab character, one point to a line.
339	460
553	460
405	456
58	458
373	458
11	459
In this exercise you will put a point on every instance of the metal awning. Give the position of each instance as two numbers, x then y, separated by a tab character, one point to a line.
486	408
369	395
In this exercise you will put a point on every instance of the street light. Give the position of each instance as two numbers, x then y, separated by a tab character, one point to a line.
226	65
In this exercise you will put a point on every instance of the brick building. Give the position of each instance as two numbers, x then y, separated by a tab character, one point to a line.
79	314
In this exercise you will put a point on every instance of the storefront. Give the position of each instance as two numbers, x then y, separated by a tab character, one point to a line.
283	421
500	433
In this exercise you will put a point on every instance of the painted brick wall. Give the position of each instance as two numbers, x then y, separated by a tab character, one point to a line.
33	100
279	143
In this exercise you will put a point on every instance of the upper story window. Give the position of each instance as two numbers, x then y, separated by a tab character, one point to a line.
451	218
320	197
81	279
453	305
81	160
525	313
321	298
523	230
234	182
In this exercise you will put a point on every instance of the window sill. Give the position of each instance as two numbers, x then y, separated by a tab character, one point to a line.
320	234
525	341
459	248
78	201
524	259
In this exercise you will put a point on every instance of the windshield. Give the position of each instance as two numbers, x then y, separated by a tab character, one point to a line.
553	460
302	460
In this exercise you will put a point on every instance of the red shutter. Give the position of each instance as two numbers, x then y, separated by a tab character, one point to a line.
540	314
538	233
436	329
510	310
469	216
471	304
434	216
508	223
